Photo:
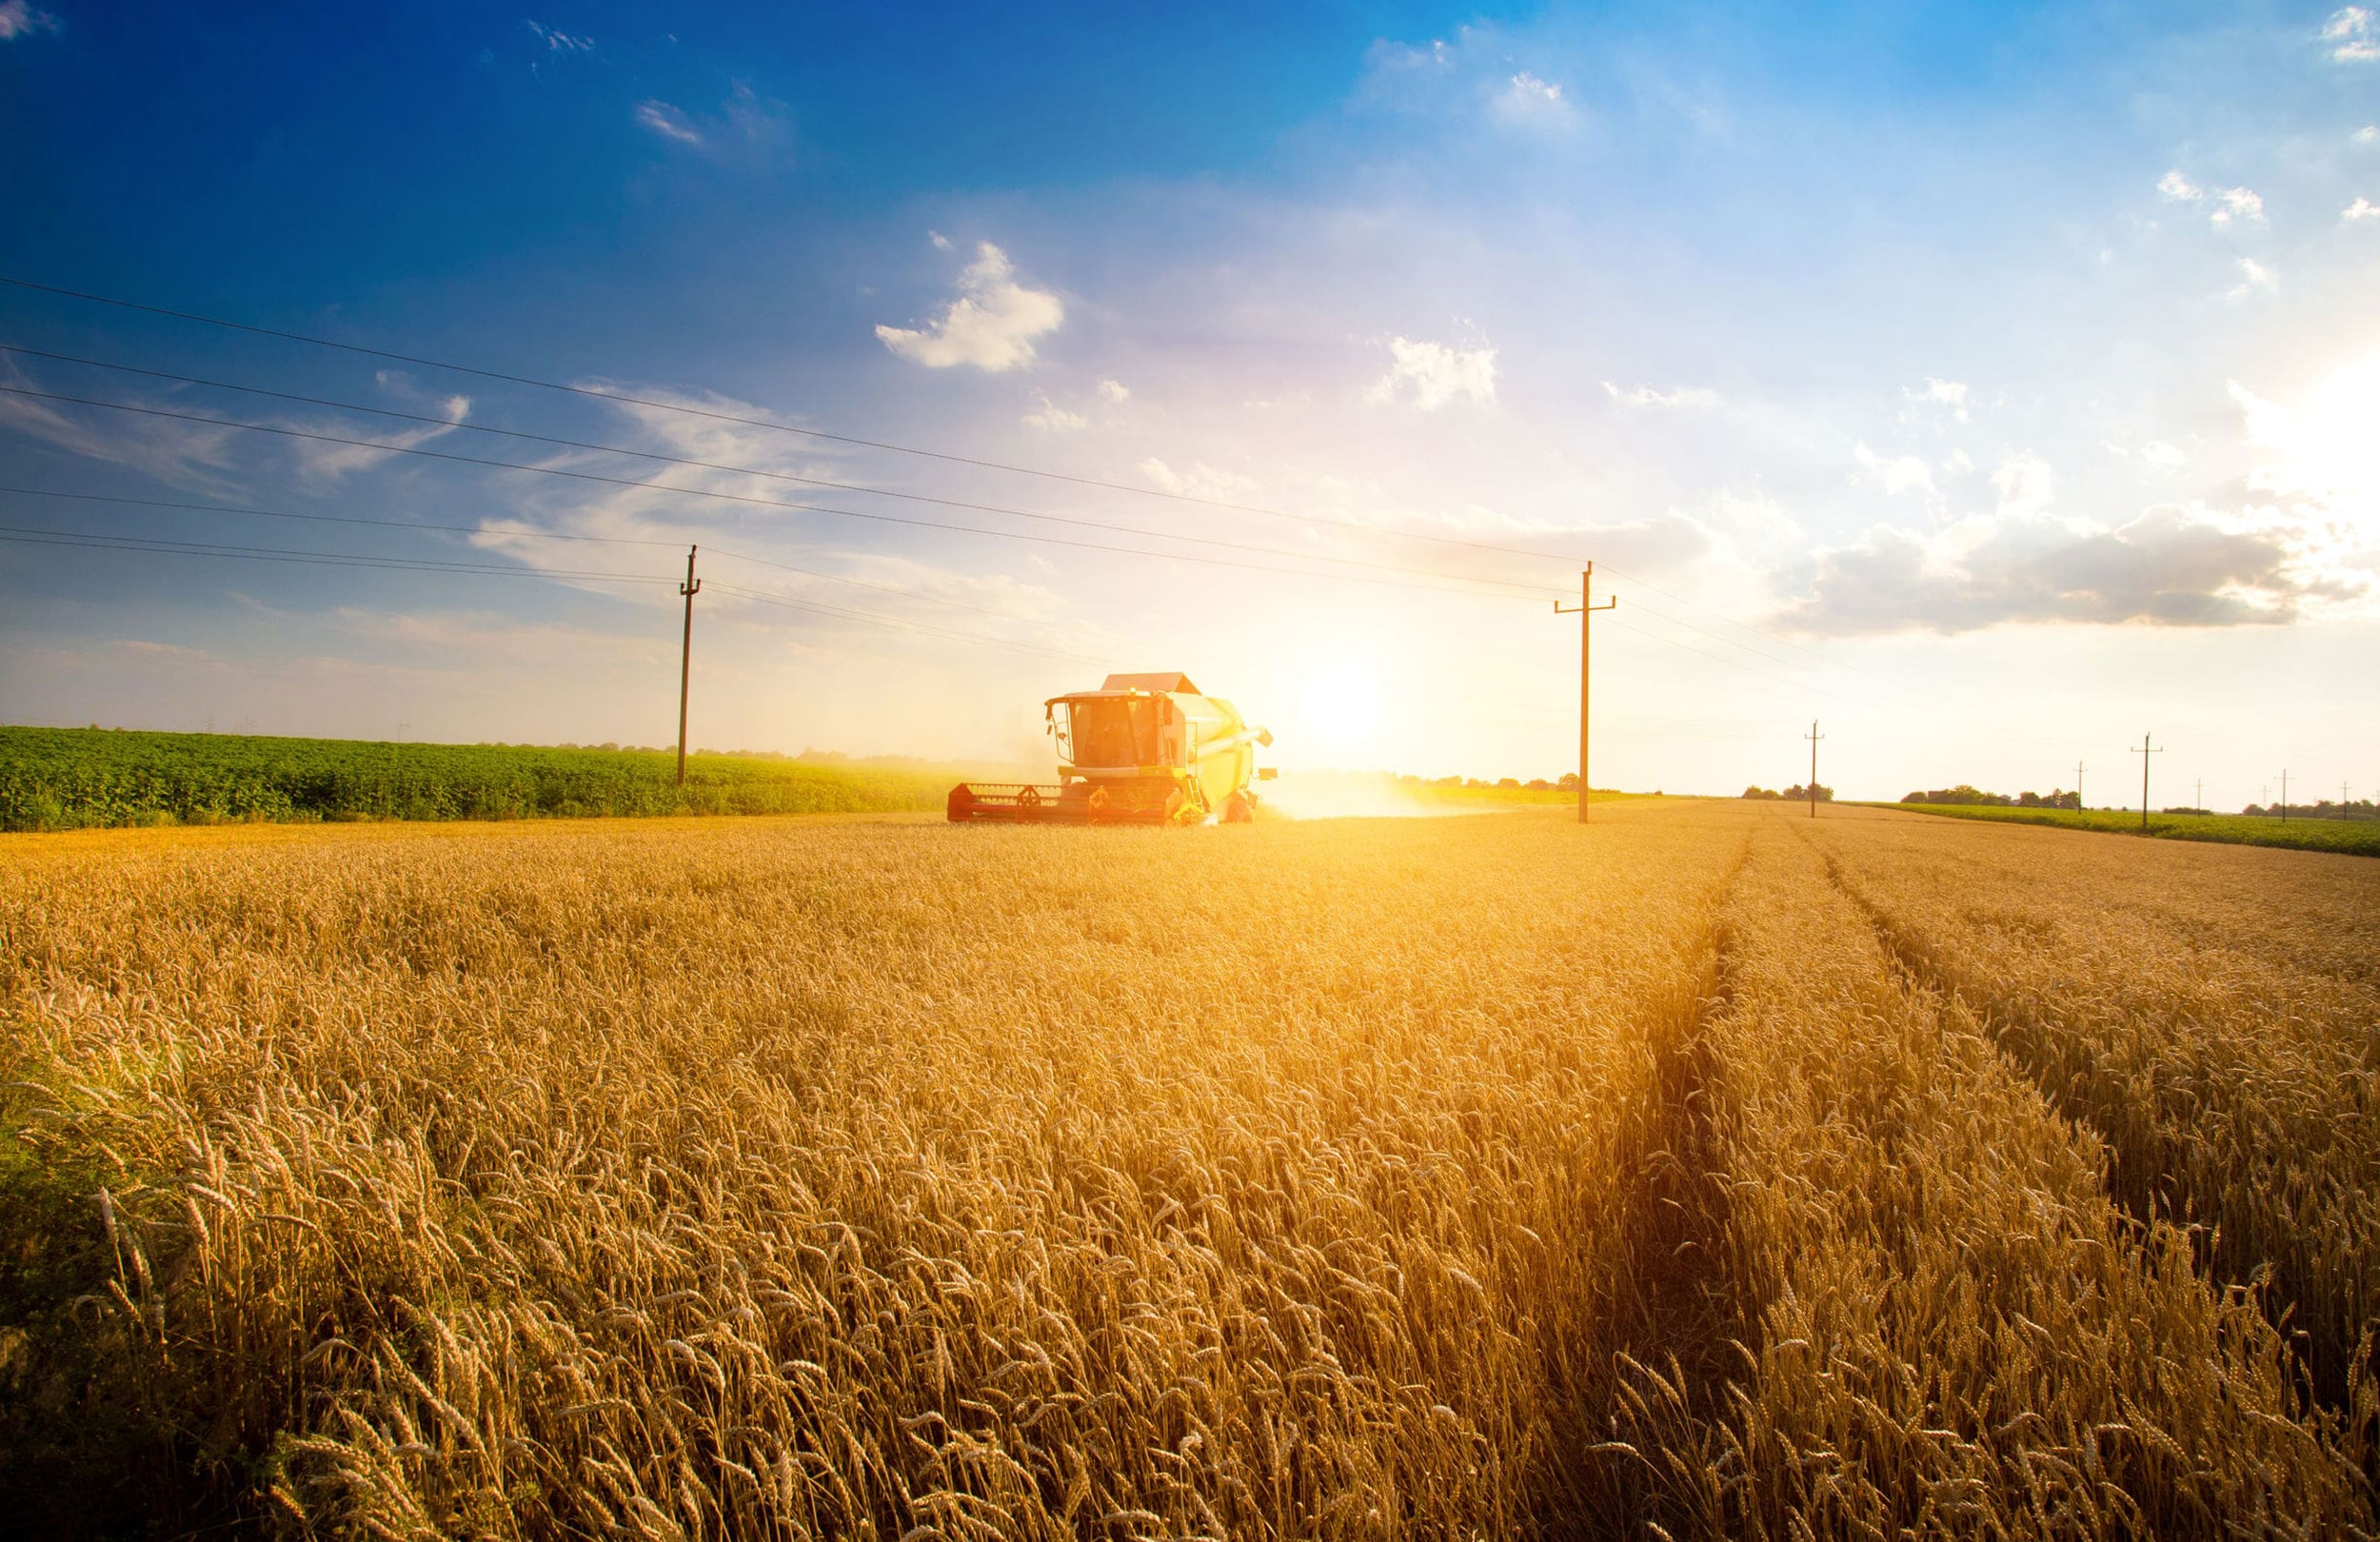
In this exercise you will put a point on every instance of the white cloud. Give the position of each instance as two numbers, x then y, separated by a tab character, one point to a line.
1437	373
1528	101
1115	390
329	462
1948	395
2155	454
19	19
2351	32
189	454
1683	396
2240	204
2168	567
2368	135
1051	418
990	325
1902	474
668	122
2362	209
2179	187
1201	481
2026	485
558	41
2254	277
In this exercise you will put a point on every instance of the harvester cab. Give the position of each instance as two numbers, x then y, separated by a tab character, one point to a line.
1141	749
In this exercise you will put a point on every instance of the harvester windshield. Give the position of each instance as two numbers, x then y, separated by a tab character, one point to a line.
1109	731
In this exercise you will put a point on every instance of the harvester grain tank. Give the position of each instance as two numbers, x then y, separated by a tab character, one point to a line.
1141	749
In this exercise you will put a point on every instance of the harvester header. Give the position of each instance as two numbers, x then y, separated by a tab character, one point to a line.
1141	749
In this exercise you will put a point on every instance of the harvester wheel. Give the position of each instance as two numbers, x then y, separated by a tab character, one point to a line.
1238	809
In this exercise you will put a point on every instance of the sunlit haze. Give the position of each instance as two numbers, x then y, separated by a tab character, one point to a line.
1990	385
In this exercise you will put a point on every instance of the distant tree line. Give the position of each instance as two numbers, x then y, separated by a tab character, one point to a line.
1976	797
2361	808
1568	783
1796	794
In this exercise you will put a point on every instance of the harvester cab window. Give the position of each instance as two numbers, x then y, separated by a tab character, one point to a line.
1112	731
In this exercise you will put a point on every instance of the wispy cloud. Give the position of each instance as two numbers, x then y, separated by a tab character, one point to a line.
1052	419
19	19
1896	475
558	41
328	463
1436	375
2241	203
2353	34
187	454
1683	396
1528	101
1115	391
2025	484
2362	209
666	121
1201	481
1947	398
2155	454
2255	278
991	324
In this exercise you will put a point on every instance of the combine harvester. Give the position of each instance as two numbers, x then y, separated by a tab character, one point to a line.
1141	749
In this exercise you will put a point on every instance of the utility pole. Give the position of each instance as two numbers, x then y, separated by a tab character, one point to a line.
2078	771
1585	610
1814	735
692	588
2198	800
2285	794
2144	752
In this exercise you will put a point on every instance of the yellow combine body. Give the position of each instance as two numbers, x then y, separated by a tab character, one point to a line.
1141	749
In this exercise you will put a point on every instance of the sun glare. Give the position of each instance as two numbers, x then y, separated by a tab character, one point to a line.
1345	706
2326	441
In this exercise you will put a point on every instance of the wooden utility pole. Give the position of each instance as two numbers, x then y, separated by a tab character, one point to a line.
1585	610
692	588
2078	771
2144	752
1814	735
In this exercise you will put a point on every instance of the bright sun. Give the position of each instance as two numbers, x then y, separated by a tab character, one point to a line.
1344	706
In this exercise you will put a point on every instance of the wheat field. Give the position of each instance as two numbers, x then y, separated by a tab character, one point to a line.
1705	1172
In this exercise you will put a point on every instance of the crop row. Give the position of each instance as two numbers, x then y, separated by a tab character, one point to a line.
72	778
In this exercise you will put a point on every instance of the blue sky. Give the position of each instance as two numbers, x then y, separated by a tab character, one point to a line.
1989	383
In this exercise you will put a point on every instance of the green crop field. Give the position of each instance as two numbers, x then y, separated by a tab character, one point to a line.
66	779
2354	836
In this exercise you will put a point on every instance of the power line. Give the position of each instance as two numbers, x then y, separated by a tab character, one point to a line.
335	519
718	466
16	535
961	504
771	503
715	415
544	535
762	597
25	535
